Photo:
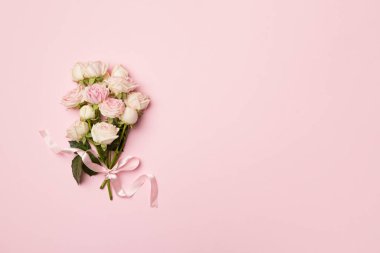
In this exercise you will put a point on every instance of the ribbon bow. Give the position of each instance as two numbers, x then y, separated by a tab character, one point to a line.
128	163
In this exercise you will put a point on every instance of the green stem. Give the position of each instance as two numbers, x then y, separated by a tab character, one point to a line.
107	163
103	184
122	135
109	189
102	158
98	149
116	156
109	159
121	145
125	139
114	160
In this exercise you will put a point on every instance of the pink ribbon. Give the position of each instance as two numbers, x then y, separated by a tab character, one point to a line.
127	163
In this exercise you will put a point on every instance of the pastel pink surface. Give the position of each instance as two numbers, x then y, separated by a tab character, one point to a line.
263	131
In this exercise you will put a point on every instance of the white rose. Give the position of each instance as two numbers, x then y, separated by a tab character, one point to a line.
119	85
137	101
119	71
86	112
104	133
95	69
129	116
78	72
73	98
77	131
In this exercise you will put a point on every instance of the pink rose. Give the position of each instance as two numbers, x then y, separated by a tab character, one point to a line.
96	93
73	98
112	107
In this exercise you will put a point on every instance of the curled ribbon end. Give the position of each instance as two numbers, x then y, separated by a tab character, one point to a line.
42	133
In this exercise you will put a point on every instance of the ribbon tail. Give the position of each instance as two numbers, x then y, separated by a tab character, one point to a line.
58	150
136	185
49	142
54	146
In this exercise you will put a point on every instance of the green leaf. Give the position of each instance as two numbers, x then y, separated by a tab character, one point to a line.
113	146
93	158
97	115
102	154
83	146
91	80
76	166
82	104
116	121
120	123
88	171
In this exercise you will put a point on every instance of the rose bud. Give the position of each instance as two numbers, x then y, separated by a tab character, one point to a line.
77	131
86	112
129	116
119	71
78	72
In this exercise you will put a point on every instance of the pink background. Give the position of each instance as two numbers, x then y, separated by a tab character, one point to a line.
263	131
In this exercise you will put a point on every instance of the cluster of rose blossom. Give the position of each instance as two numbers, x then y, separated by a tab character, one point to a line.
106	101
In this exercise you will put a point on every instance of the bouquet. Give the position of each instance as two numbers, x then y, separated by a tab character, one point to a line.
109	107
